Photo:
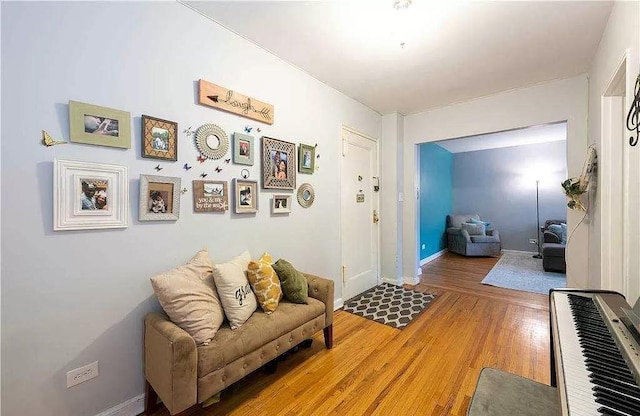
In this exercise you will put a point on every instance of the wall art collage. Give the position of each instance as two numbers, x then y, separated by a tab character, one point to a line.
90	195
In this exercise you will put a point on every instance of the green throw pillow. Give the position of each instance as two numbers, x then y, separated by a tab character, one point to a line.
294	284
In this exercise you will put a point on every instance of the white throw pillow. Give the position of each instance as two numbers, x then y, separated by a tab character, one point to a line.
234	289
187	294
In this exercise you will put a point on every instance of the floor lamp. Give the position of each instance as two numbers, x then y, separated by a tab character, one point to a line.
538	255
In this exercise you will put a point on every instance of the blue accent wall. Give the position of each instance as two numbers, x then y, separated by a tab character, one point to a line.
436	185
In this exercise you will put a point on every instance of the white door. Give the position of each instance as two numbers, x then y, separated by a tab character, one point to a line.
359	213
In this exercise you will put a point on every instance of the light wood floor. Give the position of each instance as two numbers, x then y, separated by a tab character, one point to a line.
428	368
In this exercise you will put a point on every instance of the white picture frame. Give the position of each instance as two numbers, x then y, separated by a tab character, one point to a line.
159	198
89	196
281	204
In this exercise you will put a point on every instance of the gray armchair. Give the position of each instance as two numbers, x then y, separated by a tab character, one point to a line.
476	243
553	249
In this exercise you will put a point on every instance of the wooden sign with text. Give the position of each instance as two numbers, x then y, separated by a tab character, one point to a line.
215	96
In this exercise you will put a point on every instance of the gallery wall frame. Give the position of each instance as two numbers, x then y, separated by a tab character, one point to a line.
159	138
243	149
245	194
278	164
210	196
306	158
159	198
102	126
89	195
281	204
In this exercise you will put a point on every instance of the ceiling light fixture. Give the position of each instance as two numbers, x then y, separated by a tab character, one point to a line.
401	4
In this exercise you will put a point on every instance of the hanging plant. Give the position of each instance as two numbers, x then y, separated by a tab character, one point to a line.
573	188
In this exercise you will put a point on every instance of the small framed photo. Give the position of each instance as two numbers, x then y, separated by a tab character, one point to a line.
245	196
159	138
243	149
210	196
101	126
278	164
281	204
306	158
159	198
89	195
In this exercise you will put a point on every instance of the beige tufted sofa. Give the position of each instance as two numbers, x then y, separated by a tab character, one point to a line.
183	374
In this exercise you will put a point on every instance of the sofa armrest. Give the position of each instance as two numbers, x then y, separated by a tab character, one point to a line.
550	237
459	233
170	362
494	233
322	289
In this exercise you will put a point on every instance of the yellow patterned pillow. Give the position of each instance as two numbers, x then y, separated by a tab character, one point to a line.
265	283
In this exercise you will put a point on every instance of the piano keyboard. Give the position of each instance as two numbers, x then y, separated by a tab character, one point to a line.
595	377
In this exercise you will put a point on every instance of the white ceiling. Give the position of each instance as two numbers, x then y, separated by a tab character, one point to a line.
530	135
454	50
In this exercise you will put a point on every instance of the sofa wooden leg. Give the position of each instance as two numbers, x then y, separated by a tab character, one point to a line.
150	400
328	337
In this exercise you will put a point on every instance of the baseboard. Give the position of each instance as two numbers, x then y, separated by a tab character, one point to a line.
433	256
337	304
391	281
411	280
131	407
520	251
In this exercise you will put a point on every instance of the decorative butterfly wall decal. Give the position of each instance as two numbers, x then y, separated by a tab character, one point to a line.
203	175
259	130
248	129
227	160
158	168
48	141
184	190
201	158
188	131
218	169
187	167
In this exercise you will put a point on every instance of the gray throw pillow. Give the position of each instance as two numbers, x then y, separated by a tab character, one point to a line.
473	229
556	229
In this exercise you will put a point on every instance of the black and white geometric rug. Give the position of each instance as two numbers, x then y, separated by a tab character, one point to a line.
389	304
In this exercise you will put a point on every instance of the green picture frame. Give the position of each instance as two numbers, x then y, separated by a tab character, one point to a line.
101	126
243	149
306	158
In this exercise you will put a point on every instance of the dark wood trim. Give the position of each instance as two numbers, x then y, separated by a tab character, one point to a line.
150	399
328	337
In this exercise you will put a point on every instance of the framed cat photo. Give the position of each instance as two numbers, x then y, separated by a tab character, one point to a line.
210	196
159	198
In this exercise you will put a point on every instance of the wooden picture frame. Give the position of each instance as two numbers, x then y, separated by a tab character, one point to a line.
281	204
89	195
102	126
159	138
243	149
159	198
278	164
210	196
306	158
245	196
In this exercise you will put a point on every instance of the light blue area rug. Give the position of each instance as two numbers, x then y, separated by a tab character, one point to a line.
520	271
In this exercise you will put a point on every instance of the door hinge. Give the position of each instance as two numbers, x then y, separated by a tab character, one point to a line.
344	275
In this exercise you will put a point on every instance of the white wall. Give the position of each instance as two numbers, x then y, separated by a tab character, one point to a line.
544	103
69	298
390	208
621	37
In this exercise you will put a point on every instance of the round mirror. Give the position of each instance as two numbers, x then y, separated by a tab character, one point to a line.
306	195
212	142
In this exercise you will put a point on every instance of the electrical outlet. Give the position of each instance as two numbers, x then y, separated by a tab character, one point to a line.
82	374
533	241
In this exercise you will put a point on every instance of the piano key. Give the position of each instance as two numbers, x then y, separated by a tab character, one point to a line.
605	411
